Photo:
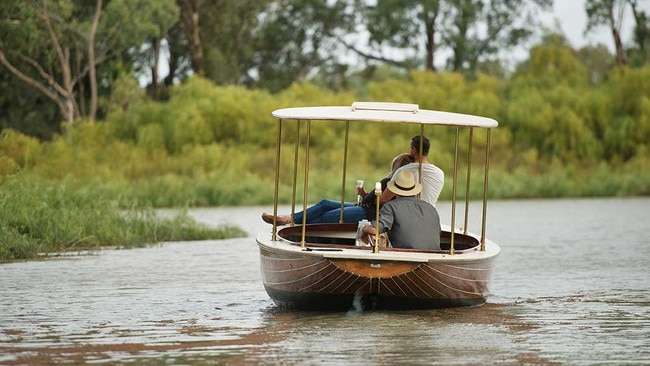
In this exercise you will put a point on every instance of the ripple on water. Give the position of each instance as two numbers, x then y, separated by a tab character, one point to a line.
556	299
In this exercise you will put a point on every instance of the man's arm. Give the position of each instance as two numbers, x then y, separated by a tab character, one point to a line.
368	232
386	196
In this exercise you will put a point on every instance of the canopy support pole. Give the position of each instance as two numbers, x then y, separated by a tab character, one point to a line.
469	177
295	172
420	154
277	180
375	248
485	189
306	185
453	194
345	169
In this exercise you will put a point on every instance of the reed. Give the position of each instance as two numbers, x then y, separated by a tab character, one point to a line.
43	218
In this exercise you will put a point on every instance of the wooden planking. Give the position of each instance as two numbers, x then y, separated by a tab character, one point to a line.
308	274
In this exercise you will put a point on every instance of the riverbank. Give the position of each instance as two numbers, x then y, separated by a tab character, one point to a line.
37	219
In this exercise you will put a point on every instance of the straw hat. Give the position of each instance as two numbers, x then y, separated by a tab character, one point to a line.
405	184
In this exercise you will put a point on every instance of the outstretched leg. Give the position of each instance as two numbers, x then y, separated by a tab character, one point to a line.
315	214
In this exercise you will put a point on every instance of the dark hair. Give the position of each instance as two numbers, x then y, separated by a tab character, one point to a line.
415	142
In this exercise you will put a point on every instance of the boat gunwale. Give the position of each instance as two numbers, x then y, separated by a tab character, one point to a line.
492	250
332	228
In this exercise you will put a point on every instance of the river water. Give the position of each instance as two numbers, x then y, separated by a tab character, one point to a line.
572	286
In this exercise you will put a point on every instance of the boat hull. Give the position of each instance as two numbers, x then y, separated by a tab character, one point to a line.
344	279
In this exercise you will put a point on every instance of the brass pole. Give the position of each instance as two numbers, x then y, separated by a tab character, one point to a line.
306	186
377	198
277	179
453	193
485	188
345	169
295	172
420	153
469	177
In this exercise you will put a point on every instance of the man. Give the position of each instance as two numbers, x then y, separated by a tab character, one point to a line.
433	178
409	221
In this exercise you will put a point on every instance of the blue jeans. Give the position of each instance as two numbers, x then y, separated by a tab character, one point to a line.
329	211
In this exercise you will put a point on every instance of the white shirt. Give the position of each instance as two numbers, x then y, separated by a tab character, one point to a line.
433	179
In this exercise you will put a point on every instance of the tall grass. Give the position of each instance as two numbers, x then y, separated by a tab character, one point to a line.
40	218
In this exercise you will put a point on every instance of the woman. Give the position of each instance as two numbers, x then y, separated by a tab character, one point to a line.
329	211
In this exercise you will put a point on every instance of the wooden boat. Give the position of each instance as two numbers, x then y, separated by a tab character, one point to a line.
319	267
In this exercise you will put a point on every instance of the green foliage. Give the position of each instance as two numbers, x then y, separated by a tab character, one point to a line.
40	218
553	139
551	64
270	44
21	149
226	31
472	31
125	94
137	20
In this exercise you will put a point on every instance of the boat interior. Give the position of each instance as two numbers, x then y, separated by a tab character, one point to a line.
340	236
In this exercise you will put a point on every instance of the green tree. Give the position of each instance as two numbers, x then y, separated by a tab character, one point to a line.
641	34
475	31
26	109
189	25
397	24
45	24
609	13
551	63
56	46
213	39
147	57
294	38
507	23
628	129
546	105
598	60
229	35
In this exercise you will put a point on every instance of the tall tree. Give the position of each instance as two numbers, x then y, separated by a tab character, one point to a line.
190	25
294	38
55	45
609	13
45	21
147	57
398	25
473	30
641	31
215	39
230	32
476	31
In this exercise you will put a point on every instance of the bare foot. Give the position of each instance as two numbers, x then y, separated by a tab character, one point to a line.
280	219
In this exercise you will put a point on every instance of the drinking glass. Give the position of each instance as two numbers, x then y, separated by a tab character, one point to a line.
359	185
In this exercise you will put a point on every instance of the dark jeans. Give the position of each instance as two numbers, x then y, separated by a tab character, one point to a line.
329	211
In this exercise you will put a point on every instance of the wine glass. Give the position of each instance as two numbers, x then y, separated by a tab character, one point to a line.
359	185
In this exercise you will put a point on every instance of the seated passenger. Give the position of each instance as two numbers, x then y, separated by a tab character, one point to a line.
433	178
409	221
329	211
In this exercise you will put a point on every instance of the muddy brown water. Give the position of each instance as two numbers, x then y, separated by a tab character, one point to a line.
572	286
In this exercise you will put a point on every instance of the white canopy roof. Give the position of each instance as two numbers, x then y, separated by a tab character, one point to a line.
385	112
